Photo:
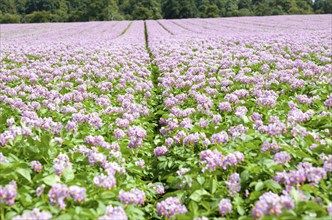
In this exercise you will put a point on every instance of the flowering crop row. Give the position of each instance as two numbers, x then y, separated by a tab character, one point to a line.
183	119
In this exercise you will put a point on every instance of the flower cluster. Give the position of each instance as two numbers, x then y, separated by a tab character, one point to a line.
170	207
8	193
282	157
305	172
327	162
140	163
214	159
233	184
40	190
225	206
134	196
35	214
100	141
219	138
60	163
58	194
160	151
108	182
182	171
136	134
272	204
160	189
36	165
273	147
78	193
114	213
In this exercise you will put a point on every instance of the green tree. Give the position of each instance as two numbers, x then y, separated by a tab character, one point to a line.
146	9
171	9
40	5
8	6
232	8
323	6
20	6
9	18
38	17
262	8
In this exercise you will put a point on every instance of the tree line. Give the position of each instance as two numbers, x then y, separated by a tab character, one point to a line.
31	11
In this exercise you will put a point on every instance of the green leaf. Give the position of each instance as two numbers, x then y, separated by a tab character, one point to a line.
101	208
193	207
134	213
245	175
240	210
206	205
271	184
214	185
64	216
200	180
108	195
197	195
51	179
25	172
259	186
68	174
310	205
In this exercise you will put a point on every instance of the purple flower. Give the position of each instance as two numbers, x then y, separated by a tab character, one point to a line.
169	142
40	190
78	193
135	196
170	207
140	163
216	119
233	184
35	214
160	151
119	134
256	116
136	131
36	165
108	182
58	193
214	159
60	163
329	209
241	111
8	193
238	130
203	123
271	204
225	206
10	122
328	102
71	126
160	189
233	159
191	139
95	121
112	167
282	158
327	162
225	106
219	138
182	171
114	213
274	147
